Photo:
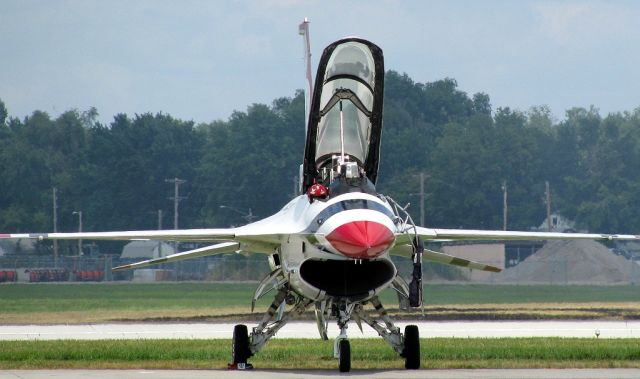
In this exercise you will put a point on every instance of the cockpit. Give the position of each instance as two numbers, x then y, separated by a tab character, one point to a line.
345	120
347	93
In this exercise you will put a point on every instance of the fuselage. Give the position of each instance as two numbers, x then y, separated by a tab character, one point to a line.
339	247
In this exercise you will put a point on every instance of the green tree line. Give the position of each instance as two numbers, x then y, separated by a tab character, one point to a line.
116	173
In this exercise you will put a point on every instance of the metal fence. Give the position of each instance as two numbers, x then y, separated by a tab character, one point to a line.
255	267
90	269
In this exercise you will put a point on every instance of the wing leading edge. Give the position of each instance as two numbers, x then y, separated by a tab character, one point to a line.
501	235
221	248
194	235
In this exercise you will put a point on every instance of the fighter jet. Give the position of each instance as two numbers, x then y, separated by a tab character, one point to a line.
330	248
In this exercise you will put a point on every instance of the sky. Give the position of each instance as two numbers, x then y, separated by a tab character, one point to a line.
201	60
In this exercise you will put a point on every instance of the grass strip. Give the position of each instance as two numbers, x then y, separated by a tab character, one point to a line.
112	296
101	302
298	353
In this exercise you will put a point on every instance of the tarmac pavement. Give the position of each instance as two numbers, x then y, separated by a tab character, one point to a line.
428	329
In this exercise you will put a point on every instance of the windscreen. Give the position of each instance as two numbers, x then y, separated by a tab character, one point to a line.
349	80
349	84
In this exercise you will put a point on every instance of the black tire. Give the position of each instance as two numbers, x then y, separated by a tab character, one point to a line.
240	344
345	356
411	351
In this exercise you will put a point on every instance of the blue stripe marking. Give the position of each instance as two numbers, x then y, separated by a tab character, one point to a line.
346	205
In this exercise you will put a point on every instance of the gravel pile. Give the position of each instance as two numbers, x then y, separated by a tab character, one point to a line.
571	262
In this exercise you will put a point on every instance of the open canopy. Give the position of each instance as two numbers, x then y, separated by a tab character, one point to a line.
350	78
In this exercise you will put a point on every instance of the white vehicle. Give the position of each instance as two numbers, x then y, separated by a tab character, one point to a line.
329	249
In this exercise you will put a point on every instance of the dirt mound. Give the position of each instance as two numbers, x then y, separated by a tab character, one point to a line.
570	262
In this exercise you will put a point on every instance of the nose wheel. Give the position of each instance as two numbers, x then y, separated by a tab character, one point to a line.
341	346
344	357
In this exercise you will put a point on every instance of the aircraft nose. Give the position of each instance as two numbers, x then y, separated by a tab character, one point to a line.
361	239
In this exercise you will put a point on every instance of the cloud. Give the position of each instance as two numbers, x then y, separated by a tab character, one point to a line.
568	23
253	46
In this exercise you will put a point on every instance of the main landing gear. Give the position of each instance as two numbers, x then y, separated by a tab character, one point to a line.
246	344
240	351
411	352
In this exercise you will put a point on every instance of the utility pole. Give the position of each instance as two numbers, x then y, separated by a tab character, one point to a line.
55	226
547	193
504	205
79	213
422	199
160	228
422	196
176	198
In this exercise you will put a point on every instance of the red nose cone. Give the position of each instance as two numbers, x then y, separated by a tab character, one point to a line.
361	239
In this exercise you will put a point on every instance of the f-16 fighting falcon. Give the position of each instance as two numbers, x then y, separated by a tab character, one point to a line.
329	249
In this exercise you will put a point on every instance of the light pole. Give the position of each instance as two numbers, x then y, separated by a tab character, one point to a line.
79	213
248	216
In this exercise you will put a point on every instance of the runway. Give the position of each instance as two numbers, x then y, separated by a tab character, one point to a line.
428	329
315	374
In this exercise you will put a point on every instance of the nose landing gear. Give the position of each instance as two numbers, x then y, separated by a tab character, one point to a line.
344	358
341	346
407	344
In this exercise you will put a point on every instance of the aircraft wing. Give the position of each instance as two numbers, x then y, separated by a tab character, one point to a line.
406	251
236	239
404	248
221	248
194	235
501	235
